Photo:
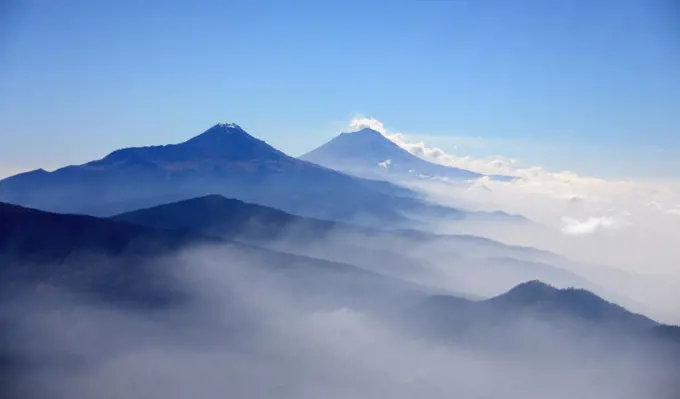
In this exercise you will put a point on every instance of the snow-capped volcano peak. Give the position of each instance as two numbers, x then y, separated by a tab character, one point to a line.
228	125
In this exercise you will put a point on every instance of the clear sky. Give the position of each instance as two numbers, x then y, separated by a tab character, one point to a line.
589	85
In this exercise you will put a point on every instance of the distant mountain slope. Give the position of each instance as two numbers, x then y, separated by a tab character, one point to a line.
223	160
369	153
221	216
216	215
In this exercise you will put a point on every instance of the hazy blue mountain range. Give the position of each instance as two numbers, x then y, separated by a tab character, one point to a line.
68	251
470	265
301	239
369	153
223	160
80	293
217	215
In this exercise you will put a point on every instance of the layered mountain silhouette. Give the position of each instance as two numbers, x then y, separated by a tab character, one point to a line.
112	259
128	266
489	266
131	263
223	160
217	215
369	153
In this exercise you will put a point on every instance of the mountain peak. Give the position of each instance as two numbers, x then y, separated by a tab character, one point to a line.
223	134
228	125
225	128
220	144
364	134
367	131
530	291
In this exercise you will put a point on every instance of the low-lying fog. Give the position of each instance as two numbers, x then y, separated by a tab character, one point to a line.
248	332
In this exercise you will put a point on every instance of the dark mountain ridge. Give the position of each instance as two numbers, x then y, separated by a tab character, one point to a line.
129	262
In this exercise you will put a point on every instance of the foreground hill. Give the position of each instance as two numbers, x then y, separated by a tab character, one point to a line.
369	153
223	160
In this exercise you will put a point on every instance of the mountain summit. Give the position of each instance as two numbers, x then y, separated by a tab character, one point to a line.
222	144
232	142
369	153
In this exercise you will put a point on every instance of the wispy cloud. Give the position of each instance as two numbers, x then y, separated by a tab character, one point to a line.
590	225
360	122
673	211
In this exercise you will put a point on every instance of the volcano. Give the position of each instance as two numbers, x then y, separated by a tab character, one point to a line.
368	153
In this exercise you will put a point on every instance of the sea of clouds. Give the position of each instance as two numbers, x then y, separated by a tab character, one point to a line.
630	224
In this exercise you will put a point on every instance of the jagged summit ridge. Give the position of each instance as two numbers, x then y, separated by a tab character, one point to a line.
228	125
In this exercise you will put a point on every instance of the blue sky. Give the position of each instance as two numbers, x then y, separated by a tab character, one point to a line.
590	86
